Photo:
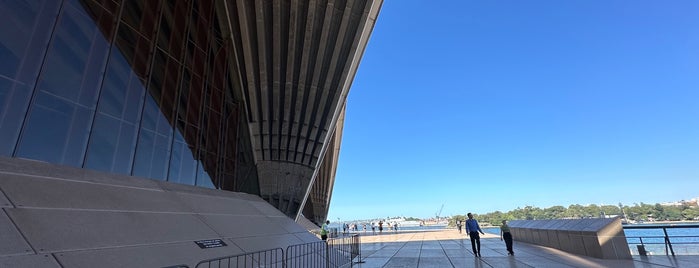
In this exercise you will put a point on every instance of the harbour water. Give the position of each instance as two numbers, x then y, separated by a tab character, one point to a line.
684	241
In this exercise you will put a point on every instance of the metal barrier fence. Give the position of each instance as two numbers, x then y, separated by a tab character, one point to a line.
335	252
314	254
266	258
343	250
688	243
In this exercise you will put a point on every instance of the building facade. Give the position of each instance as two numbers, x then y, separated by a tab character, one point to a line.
244	96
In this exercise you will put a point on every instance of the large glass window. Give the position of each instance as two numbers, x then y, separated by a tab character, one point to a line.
24	36
113	141
155	101
183	167
154	142
66	92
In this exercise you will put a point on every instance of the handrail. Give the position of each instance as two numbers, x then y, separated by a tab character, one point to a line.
335	252
658	226
264	258
667	241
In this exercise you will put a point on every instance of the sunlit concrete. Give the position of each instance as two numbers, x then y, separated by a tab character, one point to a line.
448	248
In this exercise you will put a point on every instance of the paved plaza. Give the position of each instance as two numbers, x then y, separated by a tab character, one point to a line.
448	248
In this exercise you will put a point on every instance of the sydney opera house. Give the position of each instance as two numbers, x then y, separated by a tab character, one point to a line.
131	128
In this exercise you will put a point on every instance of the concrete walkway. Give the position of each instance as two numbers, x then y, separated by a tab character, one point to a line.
448	248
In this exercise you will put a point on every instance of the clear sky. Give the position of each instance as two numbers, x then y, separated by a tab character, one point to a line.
494	105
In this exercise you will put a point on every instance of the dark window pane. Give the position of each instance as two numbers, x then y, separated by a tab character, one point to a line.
76	59
153	149
203	178
14	99
56	131
112	145
183	167
24	34
122	91
25	31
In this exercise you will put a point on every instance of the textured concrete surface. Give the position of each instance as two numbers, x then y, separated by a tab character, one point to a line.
448	248
599	237
71	217
11	241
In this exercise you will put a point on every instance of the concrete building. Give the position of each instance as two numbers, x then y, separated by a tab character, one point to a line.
130	128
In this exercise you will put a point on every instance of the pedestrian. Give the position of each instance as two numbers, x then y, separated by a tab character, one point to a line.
458	225
395	227
472	230
373	228
324	231
507	236
364	227
380	227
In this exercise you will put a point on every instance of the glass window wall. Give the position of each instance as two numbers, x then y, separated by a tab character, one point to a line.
147	93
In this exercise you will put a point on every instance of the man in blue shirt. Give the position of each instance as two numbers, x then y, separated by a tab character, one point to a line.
472	230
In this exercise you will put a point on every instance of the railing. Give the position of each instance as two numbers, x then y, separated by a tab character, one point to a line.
335	252
266	258
685	242
343	250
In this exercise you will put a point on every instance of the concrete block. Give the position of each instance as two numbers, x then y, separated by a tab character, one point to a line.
257	243
287	224
307	237
217	205
119	179
36	168
33	261
564	241
183	188
163	255
51	230
577	243
266	209
236	226
4	202
592	246
12	242
554	242
41	192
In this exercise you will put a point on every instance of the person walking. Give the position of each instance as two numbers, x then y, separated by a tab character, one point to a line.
472	230
324	231
458	225
507	236
380	227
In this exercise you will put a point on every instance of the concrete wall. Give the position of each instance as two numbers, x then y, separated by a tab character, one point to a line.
56	216
599	238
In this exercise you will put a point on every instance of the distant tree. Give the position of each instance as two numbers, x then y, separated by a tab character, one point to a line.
672	213
691	213
555	212
610	210
636	212
574	212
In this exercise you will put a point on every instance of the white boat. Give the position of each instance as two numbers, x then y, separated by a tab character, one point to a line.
442	223
403	223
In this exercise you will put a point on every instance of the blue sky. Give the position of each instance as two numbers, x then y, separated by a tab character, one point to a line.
494	105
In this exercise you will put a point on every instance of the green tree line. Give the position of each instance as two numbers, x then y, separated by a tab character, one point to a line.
637	212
